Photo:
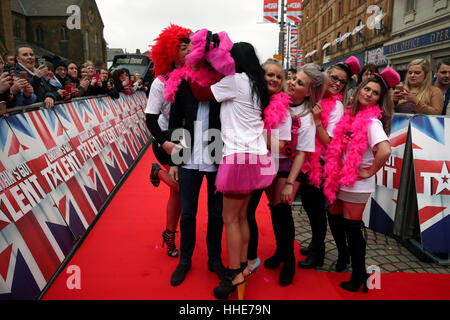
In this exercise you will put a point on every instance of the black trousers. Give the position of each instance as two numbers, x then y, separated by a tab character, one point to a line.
314	203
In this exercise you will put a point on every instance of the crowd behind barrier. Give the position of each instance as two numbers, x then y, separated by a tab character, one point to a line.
25	80
58	168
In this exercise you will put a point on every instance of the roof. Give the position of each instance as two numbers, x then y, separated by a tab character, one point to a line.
40	8
111	52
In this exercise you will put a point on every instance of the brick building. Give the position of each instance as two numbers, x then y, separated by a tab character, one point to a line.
333	30
43	26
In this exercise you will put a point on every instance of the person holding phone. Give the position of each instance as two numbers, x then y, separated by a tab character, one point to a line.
418	95
26	61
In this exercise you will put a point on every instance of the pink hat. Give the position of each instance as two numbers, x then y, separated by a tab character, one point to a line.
215	48
389	77
351	66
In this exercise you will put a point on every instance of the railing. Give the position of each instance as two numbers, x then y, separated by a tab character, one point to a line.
58	169
412	197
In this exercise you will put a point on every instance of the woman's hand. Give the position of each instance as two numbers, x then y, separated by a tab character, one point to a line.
173	173
5	82
409	96
49	103
364	173
317	110
28	90
286	193
41	71
18	85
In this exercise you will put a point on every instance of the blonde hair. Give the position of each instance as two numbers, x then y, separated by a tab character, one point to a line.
88	63
424	92
318	84
275	62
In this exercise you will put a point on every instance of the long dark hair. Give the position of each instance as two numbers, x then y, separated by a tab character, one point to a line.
384	102
246	61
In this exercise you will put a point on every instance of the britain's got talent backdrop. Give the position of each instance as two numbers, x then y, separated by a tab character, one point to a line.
57	168
412	194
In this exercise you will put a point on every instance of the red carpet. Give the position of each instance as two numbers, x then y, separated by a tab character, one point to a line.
122	259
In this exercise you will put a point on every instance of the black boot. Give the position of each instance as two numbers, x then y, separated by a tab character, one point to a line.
336	223
274	261
357	249
287	239
313	202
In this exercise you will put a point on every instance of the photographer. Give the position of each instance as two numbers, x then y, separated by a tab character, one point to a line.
15	91
49	91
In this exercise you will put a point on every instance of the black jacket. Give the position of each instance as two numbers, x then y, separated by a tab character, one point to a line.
183	113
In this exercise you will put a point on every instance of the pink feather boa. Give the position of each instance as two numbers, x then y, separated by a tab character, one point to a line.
350	136
276	112
204	76
312	162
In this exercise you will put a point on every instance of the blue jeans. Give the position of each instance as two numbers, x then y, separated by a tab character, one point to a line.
190	182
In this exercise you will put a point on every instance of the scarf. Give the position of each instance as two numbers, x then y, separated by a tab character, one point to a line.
276	112
204	76
350	136
312	163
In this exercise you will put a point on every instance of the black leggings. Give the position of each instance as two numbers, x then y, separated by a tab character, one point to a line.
252	252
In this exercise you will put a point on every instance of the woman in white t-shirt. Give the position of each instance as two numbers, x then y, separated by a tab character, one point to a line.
277	122
359	148
246	164
305	89
326	114
170	50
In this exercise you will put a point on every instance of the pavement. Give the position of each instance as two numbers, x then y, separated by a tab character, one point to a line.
382	251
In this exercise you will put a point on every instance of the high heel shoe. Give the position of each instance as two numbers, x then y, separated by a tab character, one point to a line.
254	267
354	284
154	178
169	238
226	286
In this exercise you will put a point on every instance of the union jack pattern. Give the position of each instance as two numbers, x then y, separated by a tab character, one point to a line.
57	169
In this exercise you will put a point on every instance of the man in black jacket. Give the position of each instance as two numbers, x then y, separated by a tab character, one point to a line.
197	118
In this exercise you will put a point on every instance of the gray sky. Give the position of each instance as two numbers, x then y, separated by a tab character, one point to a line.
134	24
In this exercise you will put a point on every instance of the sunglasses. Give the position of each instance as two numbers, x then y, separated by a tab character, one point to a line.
336	79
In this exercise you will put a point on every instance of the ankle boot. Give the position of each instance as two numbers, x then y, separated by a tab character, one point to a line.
336	223
274	261
287	238
357	249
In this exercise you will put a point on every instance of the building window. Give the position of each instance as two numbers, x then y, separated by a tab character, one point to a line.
340	9
87	46
380	25
410	5
63	34
39	34
17	30
359	34
339	43
330	17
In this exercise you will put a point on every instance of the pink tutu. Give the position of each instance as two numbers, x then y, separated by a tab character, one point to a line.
245	172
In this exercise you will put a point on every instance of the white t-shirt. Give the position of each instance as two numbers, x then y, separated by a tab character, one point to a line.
306	134
375	135
240	116
282	133
157	105
335	116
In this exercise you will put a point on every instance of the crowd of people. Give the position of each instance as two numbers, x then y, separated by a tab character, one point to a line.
306	131
25	80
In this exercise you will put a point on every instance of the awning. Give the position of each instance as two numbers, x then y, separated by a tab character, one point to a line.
326	45
336	41
358	29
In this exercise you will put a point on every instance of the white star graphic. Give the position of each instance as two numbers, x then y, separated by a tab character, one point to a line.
443	179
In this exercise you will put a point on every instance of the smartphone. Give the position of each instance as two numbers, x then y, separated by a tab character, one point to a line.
41	61
96	76
23	75
68	88
399	86
130	84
